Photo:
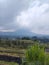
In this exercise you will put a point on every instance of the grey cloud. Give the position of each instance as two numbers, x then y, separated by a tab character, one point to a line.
44	1
9	9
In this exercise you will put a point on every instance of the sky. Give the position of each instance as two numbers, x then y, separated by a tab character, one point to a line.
29	14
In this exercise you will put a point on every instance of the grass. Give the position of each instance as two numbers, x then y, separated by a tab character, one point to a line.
26	41
7	63
16	52
12	51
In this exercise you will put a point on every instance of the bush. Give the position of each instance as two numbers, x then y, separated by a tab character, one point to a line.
35	55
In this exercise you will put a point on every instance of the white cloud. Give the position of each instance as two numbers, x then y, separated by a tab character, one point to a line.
35	18
31	14
10	30
9	9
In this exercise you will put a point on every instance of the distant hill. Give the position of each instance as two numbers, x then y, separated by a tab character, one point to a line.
18	33
21	33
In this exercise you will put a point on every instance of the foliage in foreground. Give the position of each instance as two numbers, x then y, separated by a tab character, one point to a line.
7	63
36	55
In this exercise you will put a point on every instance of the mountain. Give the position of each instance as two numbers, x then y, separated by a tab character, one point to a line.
18	33
21	33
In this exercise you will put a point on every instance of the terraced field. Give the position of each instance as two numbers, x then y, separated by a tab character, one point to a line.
10	54
17	51
7	63
12	51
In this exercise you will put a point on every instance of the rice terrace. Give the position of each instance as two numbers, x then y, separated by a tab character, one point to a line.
13	51
24	32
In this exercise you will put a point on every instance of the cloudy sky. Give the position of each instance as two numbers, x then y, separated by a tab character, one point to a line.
28	14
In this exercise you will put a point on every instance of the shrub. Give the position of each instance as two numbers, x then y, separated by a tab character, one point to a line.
35	55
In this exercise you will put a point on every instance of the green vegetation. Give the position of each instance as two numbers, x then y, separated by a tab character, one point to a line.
15	47
35	55
7	63
12	51
15	43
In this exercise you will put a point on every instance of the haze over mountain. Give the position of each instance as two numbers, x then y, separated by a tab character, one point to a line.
21	33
